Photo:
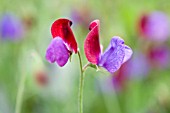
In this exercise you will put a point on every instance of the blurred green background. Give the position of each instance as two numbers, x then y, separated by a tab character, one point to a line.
57	90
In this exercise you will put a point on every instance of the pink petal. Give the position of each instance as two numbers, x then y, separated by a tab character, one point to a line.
91	44
61	28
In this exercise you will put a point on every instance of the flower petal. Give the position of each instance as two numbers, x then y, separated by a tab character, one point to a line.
91	44
61	28
114	55
57	52
128	53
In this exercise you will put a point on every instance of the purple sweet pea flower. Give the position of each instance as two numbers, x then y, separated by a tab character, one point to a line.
138	67
115	55
155	26
11	27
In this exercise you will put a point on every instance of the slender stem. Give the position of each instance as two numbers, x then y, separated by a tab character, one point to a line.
81	84
20	94
85	66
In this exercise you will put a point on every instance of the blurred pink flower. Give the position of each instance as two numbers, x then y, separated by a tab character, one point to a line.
41	78
155	26
159	56
136	68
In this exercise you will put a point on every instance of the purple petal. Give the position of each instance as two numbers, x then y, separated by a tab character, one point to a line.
57	52
114	55
128	53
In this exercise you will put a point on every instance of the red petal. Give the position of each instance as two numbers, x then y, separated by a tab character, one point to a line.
61	28
91	44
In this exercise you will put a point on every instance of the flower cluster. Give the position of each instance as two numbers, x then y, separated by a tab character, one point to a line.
64	44
155	27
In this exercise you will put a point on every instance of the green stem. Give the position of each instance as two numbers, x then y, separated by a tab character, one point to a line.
20	94
85	67
81	84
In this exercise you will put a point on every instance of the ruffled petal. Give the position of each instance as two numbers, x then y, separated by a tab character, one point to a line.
61	28
91	44
57	52
114	55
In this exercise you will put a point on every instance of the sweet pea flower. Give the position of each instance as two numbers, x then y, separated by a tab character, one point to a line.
41	78
81	16
137	68
155	26
159	56
62	44
120	78
11	27
114	56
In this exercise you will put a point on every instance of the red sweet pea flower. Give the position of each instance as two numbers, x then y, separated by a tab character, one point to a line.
62	44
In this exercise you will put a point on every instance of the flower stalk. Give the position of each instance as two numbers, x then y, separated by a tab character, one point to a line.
20	93
81	84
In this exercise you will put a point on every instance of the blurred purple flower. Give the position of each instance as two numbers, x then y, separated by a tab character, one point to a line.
81	16
10	27
155	26
136	68
159	56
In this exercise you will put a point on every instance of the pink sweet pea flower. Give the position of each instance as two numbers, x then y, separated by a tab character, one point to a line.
155	26
62	44
159	56
114	56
